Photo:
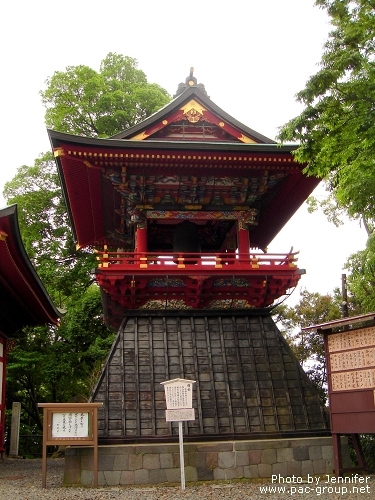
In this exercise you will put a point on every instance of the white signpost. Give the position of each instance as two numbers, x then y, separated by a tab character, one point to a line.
179	398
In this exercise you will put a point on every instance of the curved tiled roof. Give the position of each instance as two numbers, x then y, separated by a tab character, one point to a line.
23	298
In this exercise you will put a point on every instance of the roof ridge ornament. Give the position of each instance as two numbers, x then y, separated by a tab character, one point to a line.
190	81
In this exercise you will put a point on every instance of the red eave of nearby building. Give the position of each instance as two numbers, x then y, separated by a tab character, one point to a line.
24	300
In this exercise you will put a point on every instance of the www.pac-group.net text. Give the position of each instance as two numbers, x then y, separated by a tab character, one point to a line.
324	485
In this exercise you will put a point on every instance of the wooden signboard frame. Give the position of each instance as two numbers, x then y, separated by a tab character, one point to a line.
79	428
350	360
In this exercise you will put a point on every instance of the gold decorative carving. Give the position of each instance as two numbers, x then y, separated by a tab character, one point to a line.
242	225
58	152
142	224
193	116
246	140
193	104
221	124
165	122
3	236
145	207
140	136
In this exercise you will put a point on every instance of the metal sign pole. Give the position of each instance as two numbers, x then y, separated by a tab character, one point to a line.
182	462
178	395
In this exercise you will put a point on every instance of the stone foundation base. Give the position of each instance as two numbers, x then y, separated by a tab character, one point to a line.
215	461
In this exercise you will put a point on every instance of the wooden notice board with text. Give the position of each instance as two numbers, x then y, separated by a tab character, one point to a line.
351	380
350	360
70	424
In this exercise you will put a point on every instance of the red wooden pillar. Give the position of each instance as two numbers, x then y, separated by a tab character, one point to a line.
2	392
243	240
141	238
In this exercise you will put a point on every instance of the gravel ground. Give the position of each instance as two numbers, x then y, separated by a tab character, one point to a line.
22	480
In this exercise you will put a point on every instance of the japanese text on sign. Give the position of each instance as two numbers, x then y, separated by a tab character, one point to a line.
70	425
178	396
363	337
361	379
180	415
359	358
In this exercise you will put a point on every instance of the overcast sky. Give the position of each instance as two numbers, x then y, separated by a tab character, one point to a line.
252	56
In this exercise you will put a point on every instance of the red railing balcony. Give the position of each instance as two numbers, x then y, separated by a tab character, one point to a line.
196	263
198	280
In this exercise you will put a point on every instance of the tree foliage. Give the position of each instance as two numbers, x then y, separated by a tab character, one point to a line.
49	363
59	364
312	309
361	279
335	129
45	229
99	104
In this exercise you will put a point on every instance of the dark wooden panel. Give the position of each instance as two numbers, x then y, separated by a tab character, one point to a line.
353	401
351	423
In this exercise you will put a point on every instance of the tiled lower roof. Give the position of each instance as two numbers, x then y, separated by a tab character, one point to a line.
249	383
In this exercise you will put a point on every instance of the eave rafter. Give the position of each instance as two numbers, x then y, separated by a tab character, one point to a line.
113	158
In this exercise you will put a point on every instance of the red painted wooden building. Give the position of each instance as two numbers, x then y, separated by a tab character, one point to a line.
180	209
183	207
23	298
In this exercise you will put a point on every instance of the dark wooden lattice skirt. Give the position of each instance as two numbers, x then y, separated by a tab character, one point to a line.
249	384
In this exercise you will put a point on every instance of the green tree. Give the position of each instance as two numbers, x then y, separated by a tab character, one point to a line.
100	104
57	364
51	363
312	309
361	280
335	129
45	229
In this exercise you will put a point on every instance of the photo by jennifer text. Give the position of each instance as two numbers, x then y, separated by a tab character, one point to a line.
318	485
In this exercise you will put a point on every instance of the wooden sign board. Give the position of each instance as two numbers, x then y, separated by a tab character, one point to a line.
71	424
180	415
350	358
178	393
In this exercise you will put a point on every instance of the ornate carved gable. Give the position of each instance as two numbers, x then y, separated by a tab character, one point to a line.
192	116
194	122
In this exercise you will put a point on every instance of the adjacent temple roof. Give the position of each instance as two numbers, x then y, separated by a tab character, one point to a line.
23	298
189	155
